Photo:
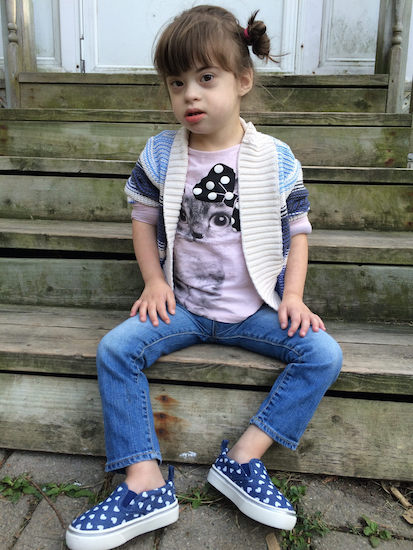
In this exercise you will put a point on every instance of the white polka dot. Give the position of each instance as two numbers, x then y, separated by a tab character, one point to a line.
224	180
212	196
218	168
197	191
210	185
229	195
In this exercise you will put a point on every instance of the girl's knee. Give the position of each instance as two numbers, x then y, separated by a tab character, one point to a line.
113	351
332	357
324	353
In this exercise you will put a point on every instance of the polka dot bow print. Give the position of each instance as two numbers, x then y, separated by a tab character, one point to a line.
218	186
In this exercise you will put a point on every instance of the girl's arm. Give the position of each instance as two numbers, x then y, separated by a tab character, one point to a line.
157	297
292	305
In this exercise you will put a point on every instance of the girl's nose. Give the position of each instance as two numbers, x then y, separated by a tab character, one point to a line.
191	91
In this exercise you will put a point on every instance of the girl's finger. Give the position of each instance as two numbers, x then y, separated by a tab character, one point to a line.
305	325
135	308
283	317
171	304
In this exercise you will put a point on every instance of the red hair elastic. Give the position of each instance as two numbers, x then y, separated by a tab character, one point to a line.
246	35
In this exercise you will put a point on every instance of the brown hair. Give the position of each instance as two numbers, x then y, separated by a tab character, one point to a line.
208	35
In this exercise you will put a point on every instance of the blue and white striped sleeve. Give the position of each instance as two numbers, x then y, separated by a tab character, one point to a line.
292	186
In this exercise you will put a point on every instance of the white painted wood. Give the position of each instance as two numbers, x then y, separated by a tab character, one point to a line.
121	40
337	37
313	36
47	25
69	12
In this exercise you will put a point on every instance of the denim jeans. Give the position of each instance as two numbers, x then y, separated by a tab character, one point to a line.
312	365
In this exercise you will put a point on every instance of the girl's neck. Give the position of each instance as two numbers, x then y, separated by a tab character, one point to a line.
226	138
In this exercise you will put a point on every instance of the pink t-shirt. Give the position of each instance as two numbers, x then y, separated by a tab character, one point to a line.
210	274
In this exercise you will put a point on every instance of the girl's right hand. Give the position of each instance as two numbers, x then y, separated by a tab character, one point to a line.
157	299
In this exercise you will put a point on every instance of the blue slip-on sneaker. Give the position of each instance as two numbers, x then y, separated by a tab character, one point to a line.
123	516
251	490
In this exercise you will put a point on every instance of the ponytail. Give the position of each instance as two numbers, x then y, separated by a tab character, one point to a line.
255	35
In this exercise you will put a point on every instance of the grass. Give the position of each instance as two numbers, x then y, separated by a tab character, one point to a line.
301	537
13	489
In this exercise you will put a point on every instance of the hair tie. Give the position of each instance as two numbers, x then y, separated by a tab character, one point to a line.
247	35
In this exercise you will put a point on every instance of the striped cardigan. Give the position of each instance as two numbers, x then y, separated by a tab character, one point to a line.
271	194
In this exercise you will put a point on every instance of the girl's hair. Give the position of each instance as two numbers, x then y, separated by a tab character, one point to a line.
208	35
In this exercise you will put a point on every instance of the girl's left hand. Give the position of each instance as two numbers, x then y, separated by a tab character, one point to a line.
292	307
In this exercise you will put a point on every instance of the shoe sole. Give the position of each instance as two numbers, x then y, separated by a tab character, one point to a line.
268	515
116	536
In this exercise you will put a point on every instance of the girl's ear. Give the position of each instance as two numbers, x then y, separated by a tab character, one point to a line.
246	81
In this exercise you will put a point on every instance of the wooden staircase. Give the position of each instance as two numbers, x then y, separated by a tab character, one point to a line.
68	274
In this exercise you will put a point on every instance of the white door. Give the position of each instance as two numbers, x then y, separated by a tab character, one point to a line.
313	36
337	36
119	35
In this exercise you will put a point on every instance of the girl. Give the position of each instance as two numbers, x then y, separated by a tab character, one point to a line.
219	230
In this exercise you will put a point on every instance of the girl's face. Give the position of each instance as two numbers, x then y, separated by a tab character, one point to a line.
206	100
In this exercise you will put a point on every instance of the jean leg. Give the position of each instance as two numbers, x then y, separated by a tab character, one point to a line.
313	363
122	355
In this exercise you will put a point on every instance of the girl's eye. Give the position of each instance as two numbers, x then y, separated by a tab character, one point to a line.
221	220
176	83
207	77
182	216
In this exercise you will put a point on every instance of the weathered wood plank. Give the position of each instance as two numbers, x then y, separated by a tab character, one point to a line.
329	146
112	96
367	247
342	146
69	166
160	116
366	207
377	358
124	167
350	437
362	247
333	205
107	237
57	197
356	174
370	293
267	79
70	282
337	291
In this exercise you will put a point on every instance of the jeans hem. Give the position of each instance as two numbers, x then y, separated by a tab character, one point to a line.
288	443
125	462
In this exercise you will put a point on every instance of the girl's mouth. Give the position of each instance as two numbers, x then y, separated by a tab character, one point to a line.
192	117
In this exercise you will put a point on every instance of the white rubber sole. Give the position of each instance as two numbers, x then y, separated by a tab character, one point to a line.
116	536
268	515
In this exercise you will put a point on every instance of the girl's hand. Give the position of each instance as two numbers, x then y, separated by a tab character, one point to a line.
292	307
156	299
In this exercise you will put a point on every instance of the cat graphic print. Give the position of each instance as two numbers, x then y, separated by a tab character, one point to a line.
208	227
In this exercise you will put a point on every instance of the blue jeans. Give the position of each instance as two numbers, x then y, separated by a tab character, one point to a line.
312	365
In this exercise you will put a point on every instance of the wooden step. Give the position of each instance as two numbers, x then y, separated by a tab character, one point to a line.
353	93
356	199
343	291
360	247
49	397
117	168
336	139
